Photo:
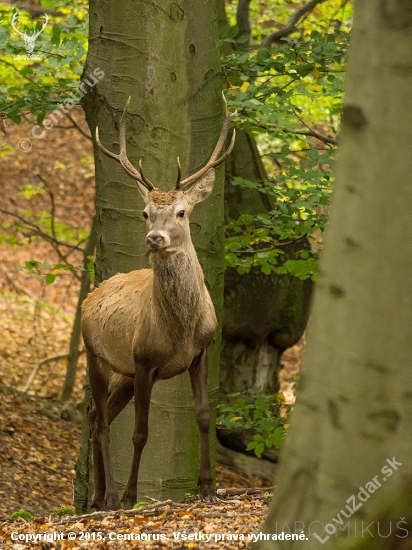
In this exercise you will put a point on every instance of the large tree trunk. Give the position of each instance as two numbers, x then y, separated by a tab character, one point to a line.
263	314
354	408
166	57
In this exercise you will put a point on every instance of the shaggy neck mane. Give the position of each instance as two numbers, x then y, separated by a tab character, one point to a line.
178	287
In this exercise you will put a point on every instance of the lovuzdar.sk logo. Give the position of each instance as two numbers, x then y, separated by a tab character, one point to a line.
29	39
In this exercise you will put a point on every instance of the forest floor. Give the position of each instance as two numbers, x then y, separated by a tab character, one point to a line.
39	450
38	440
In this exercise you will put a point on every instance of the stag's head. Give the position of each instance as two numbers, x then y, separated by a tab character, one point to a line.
29	39
167	212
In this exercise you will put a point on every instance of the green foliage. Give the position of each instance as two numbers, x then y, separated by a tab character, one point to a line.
249	410
289	98
21	514
30	191
10	239
65	511
44	269
140	504
257	240
38	82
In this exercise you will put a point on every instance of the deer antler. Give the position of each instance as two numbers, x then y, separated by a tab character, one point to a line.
122	156
214	160
138	174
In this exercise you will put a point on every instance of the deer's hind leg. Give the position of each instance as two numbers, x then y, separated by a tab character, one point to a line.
105	492
198	378
121	391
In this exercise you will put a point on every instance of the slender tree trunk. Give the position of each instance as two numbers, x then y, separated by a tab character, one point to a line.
75	336
243	22
165	55
351	430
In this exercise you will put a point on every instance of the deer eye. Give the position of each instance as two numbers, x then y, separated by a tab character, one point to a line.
181	214
145	215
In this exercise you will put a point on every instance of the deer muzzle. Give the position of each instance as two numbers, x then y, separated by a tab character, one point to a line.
157	240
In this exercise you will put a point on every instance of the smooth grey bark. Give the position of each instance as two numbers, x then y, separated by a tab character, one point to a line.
354	406
165	55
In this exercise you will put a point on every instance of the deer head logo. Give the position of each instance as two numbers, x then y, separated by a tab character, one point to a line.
29	40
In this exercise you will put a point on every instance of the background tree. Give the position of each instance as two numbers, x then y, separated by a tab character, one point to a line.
256	329
354	406
278	181
176	110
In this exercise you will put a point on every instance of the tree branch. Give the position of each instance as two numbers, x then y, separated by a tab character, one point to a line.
36	369
291	26
36	229
312	133
18	71
53	207
326	140
85	134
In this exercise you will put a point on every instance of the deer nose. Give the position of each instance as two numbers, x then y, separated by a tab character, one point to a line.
155	241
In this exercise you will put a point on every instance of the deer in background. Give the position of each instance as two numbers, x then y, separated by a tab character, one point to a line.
151	324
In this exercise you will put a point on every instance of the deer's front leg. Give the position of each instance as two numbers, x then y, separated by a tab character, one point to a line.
143	385
198	378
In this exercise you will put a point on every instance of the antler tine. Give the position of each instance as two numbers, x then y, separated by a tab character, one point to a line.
122	156
179	173
224	131
214	160
148	183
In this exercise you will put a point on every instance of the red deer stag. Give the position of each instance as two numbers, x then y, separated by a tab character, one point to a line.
151	324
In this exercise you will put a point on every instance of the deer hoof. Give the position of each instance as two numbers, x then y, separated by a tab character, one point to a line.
99	505
208	492
128	502
212	499
112	502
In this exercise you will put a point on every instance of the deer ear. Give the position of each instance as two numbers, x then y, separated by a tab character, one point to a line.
202	189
